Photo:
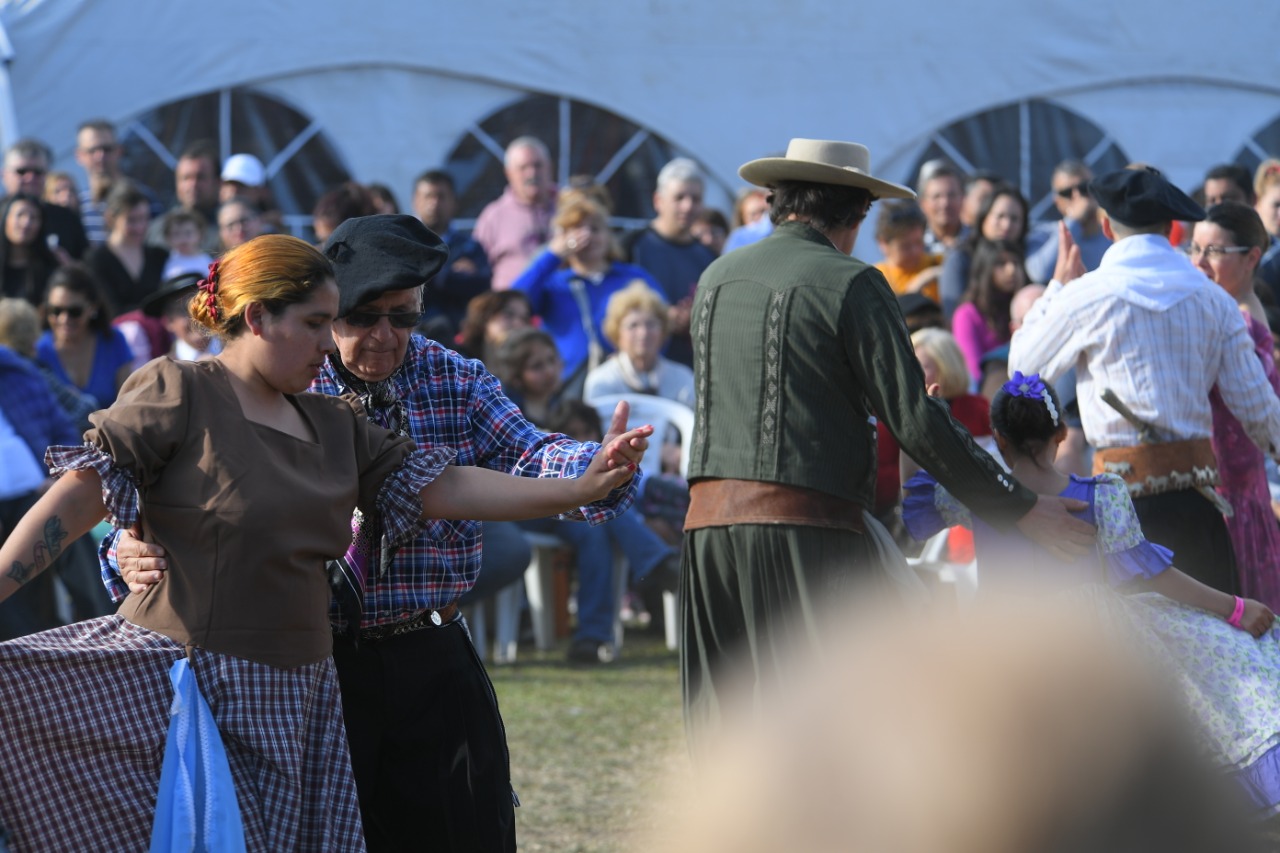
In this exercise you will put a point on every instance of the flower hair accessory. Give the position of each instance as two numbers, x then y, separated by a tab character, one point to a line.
1033	388
209	286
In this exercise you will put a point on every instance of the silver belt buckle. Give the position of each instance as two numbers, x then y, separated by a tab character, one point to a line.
435	618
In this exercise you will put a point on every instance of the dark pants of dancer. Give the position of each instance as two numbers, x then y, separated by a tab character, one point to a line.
1190	527
428	746
749	589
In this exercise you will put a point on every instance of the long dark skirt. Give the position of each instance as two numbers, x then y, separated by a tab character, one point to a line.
751	591
84	711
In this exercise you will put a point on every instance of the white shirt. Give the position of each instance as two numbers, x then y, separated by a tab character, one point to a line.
1156	331
618	375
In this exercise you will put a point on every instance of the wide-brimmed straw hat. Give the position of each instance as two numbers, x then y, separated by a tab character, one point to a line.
822	161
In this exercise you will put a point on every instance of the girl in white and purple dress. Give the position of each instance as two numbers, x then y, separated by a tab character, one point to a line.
1222	648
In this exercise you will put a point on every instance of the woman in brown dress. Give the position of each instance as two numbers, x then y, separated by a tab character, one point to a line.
248	484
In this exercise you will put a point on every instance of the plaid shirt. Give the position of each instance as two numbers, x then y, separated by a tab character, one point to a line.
455	403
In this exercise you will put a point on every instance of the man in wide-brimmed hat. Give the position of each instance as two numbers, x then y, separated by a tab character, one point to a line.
797	346
1155	331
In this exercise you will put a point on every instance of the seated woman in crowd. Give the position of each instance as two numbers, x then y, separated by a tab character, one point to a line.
1227	245
126	268
636	324
26	262
1002	216
81	346
490	318
529	367
981	323
570	282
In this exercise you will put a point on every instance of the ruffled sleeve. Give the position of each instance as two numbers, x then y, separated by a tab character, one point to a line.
928	508
1125	551
119	488
399	502
393	472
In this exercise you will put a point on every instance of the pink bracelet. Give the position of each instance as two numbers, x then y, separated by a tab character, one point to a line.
1234	620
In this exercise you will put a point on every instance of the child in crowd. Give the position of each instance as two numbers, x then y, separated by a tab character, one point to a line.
900	236
169	305
60	189
1221	647
184	235
981	323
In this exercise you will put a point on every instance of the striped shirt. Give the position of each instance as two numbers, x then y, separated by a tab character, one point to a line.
1156	331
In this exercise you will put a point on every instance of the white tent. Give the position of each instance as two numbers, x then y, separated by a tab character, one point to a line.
394	86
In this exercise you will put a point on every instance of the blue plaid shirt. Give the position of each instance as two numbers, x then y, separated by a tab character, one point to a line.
454	402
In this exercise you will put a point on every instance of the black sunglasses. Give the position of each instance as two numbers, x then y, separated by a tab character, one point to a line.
30	170
1081	188
398	319
75	312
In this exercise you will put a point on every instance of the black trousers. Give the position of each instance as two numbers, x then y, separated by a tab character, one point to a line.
428	746
1190	527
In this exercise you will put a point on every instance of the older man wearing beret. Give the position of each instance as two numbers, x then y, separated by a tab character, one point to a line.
797	346
427	742
1148	326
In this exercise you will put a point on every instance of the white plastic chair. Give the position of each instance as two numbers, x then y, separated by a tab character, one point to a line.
661	413
647	409
963	577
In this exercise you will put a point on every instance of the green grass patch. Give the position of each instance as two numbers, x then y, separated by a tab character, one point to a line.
590	744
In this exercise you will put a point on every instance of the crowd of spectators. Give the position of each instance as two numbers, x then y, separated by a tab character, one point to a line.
555	302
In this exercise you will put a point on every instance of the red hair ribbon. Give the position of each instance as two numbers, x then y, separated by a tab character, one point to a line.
209	286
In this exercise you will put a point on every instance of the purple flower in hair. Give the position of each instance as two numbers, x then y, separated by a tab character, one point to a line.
1033	388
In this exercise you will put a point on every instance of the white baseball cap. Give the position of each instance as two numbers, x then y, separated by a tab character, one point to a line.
244	169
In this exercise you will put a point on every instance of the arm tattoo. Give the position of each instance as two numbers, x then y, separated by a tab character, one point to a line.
44	553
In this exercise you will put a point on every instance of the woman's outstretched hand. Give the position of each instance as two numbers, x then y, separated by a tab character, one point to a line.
1257	618
618	459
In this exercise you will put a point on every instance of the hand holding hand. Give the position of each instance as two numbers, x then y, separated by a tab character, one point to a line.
610	467
629	452
141	563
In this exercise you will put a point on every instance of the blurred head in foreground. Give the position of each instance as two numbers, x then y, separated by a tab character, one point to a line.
1019	725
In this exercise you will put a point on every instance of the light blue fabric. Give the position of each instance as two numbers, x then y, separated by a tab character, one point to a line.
196	810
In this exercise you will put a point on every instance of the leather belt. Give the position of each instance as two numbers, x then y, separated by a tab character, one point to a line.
425	619
722	502
1153	469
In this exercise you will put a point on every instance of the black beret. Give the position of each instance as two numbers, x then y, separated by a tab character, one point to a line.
372	255
1142	197
153	304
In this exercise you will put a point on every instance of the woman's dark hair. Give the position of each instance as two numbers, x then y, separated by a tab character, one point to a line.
1025	422
992	302
1000	191
826	206
515	353
40	259
78	279
480	310
1242	221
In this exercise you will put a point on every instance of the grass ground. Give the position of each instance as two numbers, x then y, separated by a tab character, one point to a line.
590	745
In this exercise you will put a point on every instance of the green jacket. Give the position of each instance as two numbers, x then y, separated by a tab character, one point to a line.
796	347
